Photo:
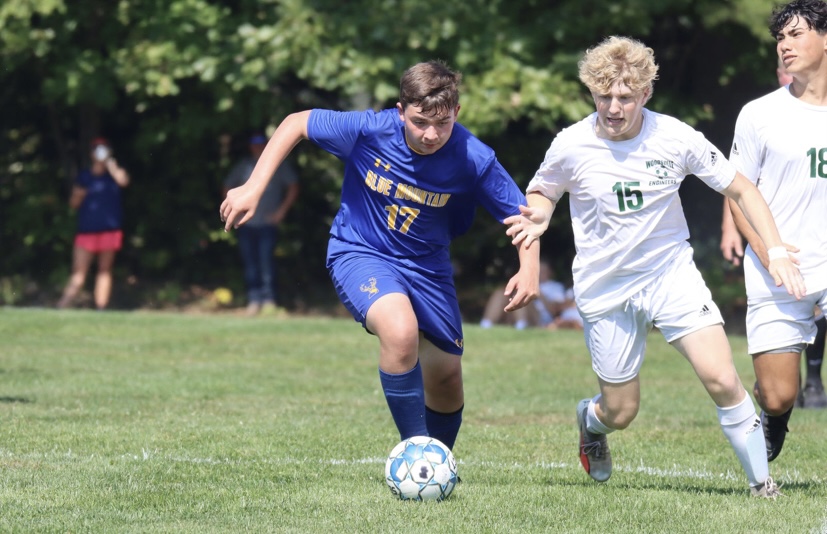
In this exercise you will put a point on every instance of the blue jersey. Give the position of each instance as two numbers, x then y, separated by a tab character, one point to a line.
404	205
100	210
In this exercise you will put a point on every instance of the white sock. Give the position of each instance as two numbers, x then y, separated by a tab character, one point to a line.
593	424
521	324
742	427
486	323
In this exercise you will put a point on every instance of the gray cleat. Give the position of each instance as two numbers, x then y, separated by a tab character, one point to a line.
594	448
768	490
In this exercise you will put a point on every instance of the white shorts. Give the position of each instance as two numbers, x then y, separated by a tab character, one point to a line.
678	303
780	322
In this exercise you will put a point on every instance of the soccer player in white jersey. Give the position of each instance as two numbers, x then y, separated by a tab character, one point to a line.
622	167
780	144
732	242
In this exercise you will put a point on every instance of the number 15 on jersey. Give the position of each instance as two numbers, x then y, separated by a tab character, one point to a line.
628	197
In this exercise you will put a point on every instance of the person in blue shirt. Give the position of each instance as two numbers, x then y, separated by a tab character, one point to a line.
257	239
96	195
413	178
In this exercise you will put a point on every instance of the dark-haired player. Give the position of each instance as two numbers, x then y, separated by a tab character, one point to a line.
413	178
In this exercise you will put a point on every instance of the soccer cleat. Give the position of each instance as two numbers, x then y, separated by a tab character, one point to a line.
775	432
768	490
812	396
594	448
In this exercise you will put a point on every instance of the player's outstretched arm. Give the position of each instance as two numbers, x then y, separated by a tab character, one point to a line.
532	221
524	286
732	243
754	220
241	202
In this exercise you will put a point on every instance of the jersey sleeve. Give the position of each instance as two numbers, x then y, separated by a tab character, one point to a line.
550	180
704	160
335	131
498	193
744	153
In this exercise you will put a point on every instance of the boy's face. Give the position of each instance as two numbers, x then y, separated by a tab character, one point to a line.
620	112
801	48
427	132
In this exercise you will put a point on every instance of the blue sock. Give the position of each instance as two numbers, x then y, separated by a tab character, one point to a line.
405	394
444	426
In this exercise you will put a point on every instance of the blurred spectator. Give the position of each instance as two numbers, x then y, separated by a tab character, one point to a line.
96	195
569	318
544	310
258	237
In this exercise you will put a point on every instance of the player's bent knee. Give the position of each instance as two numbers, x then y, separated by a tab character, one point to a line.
622	421
777	405
399	338
620	417
451	382
445	383
725	389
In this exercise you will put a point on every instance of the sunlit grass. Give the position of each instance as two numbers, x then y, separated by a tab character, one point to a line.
139	422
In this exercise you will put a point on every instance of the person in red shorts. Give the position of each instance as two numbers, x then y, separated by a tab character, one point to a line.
96	195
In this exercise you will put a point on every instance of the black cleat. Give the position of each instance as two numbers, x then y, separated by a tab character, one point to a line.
775	432
812	395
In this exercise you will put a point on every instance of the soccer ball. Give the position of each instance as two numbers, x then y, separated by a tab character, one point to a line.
421	469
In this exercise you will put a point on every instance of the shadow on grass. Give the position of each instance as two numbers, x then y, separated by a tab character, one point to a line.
689	486
806	485
686	486
15	400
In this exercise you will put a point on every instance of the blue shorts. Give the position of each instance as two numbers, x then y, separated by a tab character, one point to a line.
361	277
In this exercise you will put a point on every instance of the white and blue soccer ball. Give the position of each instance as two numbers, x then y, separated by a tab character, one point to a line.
421	469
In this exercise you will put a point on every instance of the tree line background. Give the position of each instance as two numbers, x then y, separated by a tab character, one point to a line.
178	85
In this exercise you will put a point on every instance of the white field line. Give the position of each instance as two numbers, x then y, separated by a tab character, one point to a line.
676	471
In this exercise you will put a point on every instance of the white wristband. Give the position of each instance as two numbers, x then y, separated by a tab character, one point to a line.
777	253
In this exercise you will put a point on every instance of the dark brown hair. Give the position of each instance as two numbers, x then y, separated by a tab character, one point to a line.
813	12
430	85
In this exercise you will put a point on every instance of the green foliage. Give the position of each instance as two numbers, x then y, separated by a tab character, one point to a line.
137	422
168	81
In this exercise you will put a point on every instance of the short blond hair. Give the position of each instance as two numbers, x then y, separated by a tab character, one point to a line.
618	59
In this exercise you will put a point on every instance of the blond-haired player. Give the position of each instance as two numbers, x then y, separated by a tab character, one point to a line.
622	167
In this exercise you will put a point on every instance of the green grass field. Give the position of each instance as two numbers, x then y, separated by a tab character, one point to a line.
142	422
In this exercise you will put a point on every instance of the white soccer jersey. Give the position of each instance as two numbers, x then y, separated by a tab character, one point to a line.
780	144
626	212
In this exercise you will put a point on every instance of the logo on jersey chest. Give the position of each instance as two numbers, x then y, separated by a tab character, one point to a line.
664	171
387	187
379	163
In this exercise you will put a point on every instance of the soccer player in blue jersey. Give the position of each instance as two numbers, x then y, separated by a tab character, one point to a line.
413	178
